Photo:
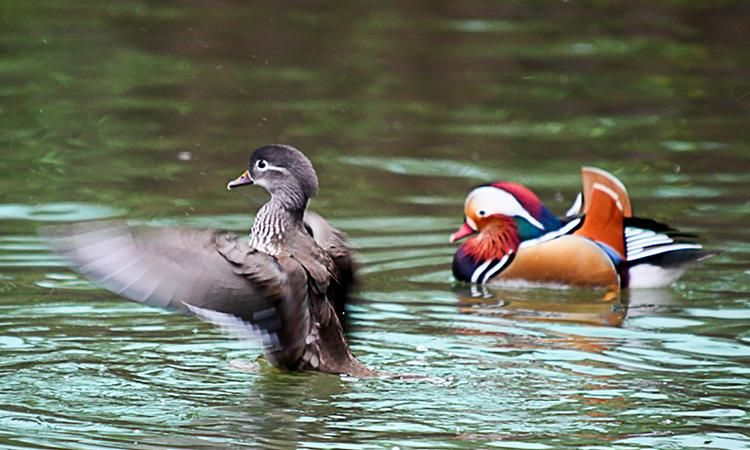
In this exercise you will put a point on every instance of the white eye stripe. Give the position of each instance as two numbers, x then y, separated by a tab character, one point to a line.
492	200
277	168
264	165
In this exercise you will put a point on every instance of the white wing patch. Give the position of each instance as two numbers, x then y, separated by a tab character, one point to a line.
641	243
236	327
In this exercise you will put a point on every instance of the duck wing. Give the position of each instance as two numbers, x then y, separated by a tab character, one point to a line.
654	244
604	220
591	176
210	273
336	244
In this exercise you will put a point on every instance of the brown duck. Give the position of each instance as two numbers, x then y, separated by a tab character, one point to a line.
286	286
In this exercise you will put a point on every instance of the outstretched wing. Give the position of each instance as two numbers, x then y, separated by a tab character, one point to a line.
208	273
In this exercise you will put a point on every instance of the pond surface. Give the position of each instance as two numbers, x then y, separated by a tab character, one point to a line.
144	110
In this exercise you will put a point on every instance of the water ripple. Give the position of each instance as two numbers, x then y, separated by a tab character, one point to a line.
58	212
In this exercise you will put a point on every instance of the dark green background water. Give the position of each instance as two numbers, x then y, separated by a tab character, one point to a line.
144	110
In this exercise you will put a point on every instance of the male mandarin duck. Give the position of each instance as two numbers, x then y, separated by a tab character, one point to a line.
284	287
514	238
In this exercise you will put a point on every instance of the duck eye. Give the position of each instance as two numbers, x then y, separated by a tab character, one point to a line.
482	212
261	164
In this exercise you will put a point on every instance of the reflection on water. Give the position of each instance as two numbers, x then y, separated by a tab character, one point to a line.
559	305
143	111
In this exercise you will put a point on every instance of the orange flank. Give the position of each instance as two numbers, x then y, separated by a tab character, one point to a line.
604	219
569	260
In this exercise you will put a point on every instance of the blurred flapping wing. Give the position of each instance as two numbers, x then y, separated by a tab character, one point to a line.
208	273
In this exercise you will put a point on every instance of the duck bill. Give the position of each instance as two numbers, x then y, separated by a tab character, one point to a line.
240	180
462	232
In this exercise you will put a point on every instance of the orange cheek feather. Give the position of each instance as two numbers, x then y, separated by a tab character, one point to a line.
497	237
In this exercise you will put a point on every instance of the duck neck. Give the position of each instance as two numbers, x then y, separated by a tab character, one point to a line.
499	237
275	222
527	230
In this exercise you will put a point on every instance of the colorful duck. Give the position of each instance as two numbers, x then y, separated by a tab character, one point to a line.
514	238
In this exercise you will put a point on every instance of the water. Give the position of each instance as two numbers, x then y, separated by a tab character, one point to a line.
144	111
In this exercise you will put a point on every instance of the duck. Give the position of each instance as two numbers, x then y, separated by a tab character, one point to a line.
284	287
512	238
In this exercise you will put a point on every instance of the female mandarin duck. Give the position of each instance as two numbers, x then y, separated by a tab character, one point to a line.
284	287
515	238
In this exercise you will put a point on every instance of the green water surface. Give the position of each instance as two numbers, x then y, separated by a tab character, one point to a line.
144	110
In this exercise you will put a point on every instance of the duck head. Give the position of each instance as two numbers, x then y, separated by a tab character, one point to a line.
284	172
498	217
505	205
